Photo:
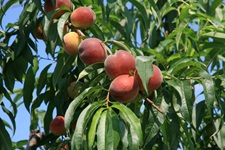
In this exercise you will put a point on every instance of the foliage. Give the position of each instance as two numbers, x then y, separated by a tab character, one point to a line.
184	38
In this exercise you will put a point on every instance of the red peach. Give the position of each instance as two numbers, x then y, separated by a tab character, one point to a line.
92	50
156	80
48	6
82	17
122	62
57	126
124	88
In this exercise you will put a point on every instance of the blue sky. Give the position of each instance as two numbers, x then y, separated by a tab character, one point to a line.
23	117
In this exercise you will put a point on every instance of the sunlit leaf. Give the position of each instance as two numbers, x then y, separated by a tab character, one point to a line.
83	119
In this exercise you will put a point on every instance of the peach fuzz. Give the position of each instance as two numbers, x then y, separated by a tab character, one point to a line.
82	17
92	50
57	126
71	42
124	88
122	62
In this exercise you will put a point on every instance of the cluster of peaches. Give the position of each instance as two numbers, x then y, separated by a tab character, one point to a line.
120	67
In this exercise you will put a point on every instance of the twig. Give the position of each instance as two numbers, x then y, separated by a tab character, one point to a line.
107	100
152	103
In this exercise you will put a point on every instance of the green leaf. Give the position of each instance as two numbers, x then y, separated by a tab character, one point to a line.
28	88
5	8
92	129
113	131
209	90
119	28
48	116
143	10
74	104
220	136
132	136
83	119
64	64
121	45
101	132
215	34
132	119
170	134
144	69
61	24
42	80
89	69
5	140
185	91
11	116
181	64
152	119
124	135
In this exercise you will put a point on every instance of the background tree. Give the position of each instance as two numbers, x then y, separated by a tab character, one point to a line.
185	39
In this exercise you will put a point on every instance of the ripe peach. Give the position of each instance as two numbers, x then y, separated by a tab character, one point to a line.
122	62
92	50
124	88
154	81
71	42
57	126
71	91
48	6
82	17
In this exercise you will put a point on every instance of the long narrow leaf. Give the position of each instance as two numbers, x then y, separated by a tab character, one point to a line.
80	131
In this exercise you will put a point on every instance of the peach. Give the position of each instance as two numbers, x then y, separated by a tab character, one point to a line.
154	81
122	62
82	17
57	126
92	50
38	31
124	88
48	6
71	42
71	91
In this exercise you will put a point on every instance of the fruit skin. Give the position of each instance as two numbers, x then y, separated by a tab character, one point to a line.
71	42
66	147
154	81
92	50
57	126
48	6
38	32
82	17
124	88
122	62
71	91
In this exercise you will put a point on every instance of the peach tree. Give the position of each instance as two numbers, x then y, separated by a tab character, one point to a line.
121	74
